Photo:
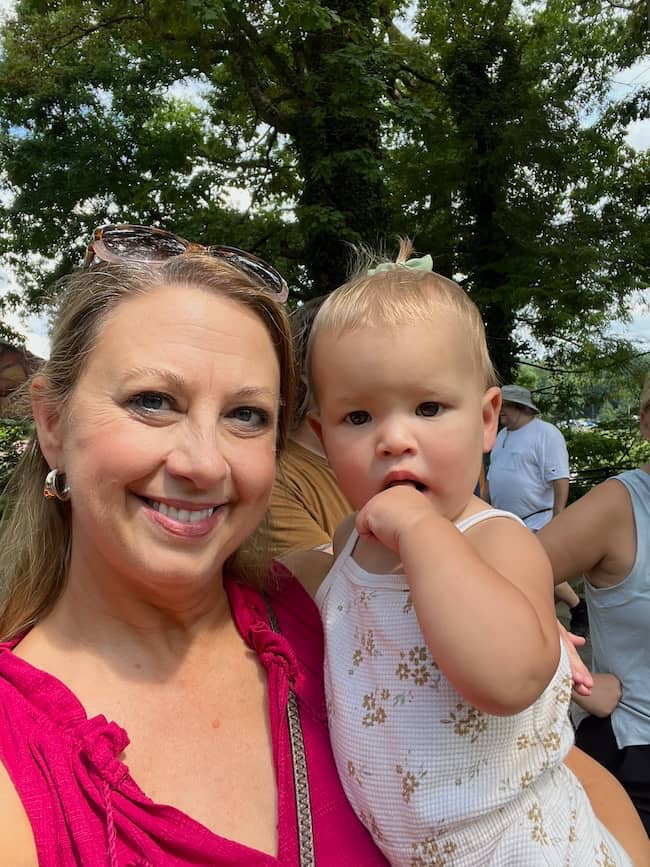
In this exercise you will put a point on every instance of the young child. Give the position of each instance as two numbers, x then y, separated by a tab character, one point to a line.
447	689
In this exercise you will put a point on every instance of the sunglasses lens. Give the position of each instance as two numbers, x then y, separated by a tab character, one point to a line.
130	242
256	268
148	244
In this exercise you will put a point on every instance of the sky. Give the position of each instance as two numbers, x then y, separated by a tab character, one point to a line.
35	329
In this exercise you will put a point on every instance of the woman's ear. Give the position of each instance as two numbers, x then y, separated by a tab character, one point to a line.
491	410
48	418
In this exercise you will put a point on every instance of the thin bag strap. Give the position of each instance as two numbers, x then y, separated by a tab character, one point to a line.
299	761
538	512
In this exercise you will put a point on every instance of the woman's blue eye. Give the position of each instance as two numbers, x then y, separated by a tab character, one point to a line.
358	416
428	409
150	401
251	416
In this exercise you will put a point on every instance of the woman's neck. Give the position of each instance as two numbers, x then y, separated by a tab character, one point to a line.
106	611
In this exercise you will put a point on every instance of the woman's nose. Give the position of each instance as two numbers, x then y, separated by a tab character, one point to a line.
198	456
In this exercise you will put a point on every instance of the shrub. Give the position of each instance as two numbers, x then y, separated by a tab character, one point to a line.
13	438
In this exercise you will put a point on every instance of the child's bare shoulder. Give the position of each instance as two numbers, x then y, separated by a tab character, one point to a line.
496	529
480	514
342	533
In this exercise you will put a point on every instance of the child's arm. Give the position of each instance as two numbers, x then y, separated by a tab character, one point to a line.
484	600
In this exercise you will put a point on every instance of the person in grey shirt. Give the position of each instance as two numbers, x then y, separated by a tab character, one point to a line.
529	476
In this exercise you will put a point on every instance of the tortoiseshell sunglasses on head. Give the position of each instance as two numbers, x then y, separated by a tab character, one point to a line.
117	243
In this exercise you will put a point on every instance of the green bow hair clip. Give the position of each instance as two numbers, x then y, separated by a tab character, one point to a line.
424	263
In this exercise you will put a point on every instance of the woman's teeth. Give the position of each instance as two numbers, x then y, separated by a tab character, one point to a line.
184	516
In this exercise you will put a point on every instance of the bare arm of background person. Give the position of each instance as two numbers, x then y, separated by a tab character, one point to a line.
560	495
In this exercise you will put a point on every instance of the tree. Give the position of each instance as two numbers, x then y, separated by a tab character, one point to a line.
543	213
91	130
481	129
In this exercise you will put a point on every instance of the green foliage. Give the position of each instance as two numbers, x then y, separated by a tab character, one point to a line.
608	446
486	131
13	436
597	454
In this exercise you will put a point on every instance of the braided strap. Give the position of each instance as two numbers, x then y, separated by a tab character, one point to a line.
299	762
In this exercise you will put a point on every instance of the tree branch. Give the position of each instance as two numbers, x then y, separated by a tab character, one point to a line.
615	362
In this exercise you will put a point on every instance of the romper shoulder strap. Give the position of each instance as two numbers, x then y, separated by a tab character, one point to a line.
486	515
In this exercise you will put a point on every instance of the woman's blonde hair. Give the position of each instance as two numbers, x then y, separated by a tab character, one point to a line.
36	533
397	296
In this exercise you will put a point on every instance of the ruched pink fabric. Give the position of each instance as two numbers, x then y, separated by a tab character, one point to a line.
87	811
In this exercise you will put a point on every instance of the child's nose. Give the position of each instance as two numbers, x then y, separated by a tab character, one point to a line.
395	439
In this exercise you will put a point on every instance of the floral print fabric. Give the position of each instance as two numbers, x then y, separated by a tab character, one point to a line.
436	781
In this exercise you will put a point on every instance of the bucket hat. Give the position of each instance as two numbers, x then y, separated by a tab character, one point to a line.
518	394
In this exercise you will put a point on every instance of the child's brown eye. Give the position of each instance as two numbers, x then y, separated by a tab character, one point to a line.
429	409
359	416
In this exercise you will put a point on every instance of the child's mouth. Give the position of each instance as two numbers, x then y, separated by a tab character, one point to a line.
417	485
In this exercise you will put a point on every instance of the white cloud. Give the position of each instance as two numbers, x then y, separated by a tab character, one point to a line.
34	328
624	83
6	8
638	328
638	134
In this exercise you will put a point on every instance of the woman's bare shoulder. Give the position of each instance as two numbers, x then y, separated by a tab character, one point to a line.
17	847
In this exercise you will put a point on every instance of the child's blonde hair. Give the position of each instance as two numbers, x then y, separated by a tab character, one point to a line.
397	296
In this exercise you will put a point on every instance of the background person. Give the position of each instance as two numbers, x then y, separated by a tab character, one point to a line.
606	536
306	504
128	602
529	476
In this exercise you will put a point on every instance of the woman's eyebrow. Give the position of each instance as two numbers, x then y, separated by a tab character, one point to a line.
156	373
176	382
254	392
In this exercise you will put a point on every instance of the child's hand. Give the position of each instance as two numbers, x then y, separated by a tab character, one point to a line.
582	678
388	514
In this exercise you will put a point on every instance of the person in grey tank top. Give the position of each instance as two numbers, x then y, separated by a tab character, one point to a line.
606	537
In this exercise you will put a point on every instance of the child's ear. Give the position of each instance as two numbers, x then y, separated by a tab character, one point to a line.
491	410
48	418
314	423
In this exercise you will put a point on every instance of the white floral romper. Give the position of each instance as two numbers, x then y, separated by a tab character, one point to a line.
435	781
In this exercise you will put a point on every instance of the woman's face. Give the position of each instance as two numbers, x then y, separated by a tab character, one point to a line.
168	442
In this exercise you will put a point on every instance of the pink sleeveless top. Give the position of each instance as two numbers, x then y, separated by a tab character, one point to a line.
86	810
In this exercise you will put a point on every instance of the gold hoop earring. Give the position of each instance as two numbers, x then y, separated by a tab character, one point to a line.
56	487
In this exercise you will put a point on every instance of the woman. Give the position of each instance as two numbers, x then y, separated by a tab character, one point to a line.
605	536
158	417
127	595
